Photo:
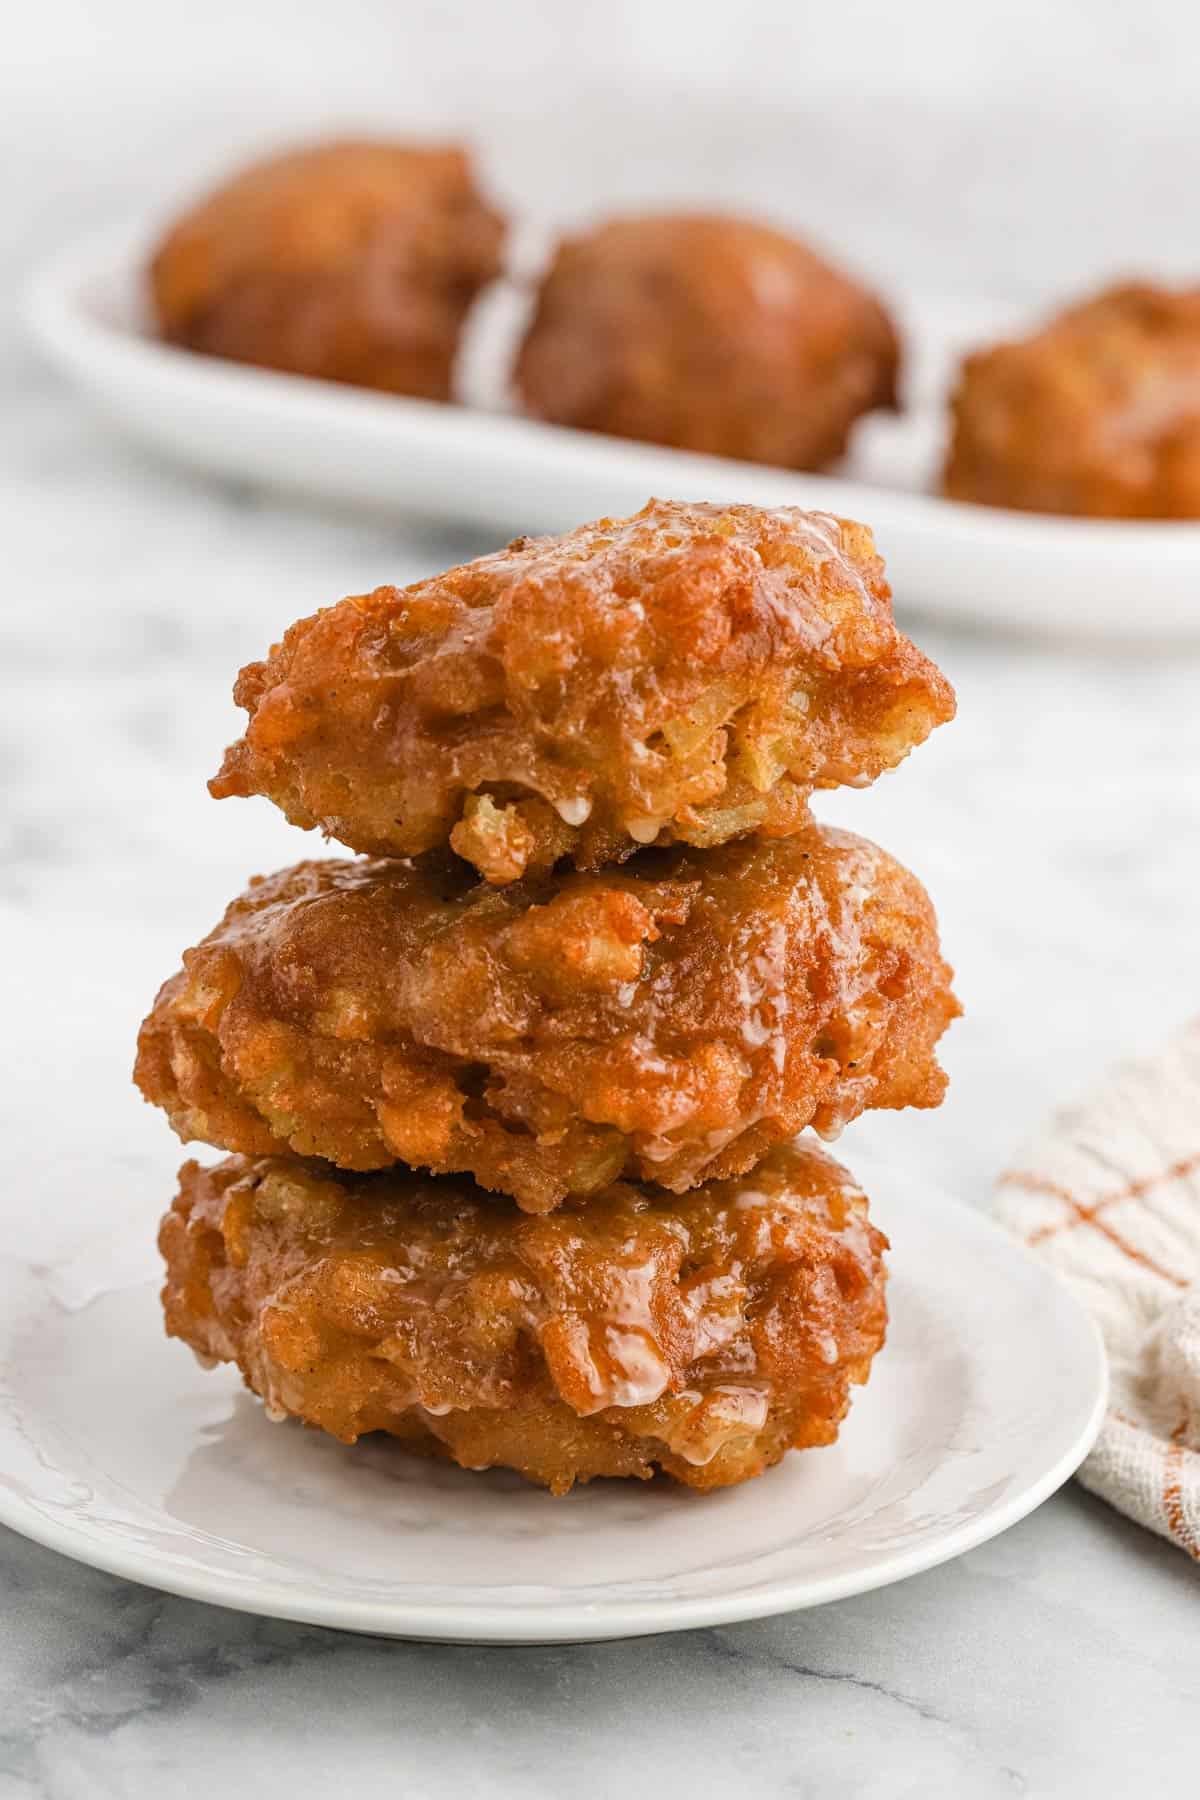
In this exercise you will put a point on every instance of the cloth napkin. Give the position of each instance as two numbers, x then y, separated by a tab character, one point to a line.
1109	1194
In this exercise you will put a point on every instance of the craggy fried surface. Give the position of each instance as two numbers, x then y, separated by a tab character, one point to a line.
667	1020
1097	413
704	1336
689	674
353	261
711	334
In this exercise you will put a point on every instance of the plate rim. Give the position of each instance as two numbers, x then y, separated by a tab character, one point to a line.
580	1621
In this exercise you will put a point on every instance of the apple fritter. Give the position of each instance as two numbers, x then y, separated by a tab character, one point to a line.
708	333
687	675
354	261
703	1336
666	1020
1097	413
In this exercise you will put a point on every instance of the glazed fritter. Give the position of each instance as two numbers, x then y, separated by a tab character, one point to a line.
353	261
668	1020
710	334
687	675
1097	413
703	1336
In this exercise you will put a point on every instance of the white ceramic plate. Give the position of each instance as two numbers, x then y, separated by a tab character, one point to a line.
117	1449
481	464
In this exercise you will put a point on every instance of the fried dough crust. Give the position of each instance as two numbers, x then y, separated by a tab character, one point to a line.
1097	413
688	675
668	1020
702	1336
354	261
711	334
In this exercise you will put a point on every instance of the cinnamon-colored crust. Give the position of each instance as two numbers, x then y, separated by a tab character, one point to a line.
702	1336
687	675
354	261
667	1020
710	334
1098	413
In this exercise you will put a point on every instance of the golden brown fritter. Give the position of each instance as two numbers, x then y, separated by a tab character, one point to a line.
354	261
667	1020
711	334
690	674
1097	413
704	1336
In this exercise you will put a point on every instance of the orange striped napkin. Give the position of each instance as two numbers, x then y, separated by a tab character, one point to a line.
1109	1193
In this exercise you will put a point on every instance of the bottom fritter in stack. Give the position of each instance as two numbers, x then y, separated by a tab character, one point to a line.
514	1097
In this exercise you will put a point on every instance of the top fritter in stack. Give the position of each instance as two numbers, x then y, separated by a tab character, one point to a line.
597	959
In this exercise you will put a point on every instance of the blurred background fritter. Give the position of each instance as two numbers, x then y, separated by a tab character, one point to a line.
356	261
691	673
1098	412
668	1019
709	333
703	1335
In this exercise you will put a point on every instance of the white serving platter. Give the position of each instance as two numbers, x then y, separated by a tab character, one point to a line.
479	463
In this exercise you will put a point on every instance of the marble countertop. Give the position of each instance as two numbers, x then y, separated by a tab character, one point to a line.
1057	824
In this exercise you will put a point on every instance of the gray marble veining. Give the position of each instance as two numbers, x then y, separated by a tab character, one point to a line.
1057	1660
